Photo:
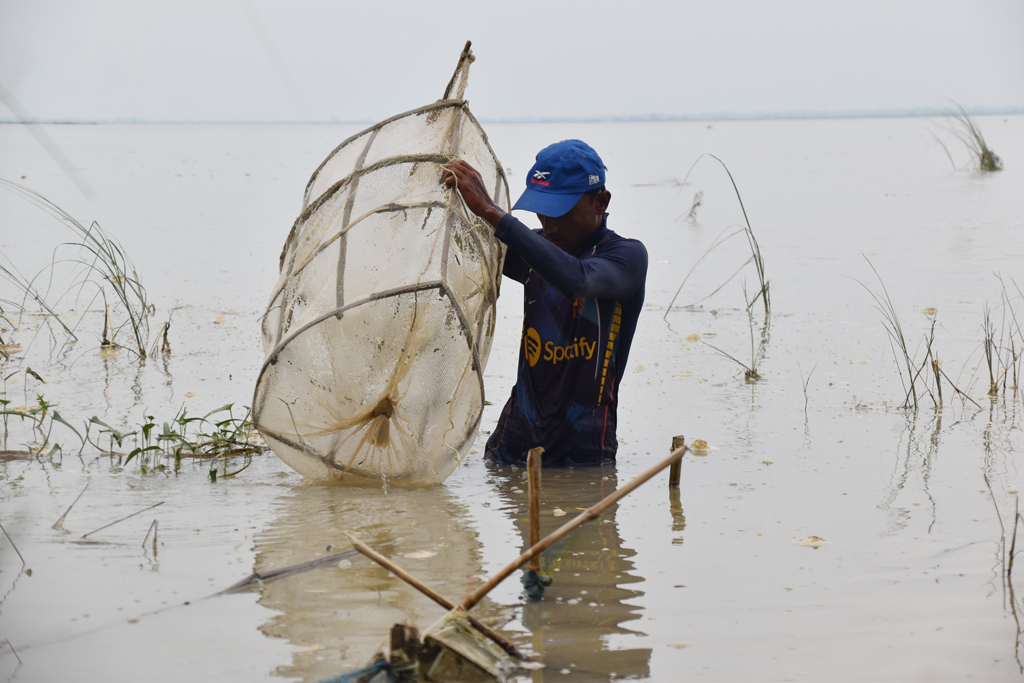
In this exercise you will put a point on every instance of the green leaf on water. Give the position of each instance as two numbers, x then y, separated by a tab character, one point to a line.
56	417
222	408
137	451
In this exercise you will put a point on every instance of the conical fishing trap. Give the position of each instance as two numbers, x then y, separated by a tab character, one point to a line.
380	325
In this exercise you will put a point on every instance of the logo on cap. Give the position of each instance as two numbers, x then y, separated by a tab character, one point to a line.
595	179
540	178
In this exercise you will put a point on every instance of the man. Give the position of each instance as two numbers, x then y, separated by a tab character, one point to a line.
583	291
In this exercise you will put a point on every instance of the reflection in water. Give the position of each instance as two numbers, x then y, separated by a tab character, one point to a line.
675	506
586	604
916	456
340	616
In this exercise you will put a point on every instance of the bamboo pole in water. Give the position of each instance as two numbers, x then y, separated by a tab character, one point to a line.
567	528
673	472
502	642
533	467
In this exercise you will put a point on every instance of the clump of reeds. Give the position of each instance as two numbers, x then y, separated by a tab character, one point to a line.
1003	348
755	249
106	267
919	379
962	125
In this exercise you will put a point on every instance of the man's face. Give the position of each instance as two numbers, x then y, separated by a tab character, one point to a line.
571	231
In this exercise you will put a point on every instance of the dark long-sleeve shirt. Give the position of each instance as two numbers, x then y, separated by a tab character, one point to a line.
580	313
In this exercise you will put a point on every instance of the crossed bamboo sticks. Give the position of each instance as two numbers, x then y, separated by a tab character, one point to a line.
532	554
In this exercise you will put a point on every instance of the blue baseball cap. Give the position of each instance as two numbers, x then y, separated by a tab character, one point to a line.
559	177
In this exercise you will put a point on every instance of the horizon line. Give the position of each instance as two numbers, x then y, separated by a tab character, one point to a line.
914	112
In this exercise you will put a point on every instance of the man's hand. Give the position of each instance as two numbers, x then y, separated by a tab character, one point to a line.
471	186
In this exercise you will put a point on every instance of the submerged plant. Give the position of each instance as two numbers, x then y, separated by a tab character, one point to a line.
966	130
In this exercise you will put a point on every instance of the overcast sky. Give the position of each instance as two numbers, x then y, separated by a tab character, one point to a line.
330	60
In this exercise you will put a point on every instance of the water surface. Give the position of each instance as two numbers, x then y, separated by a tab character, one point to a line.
702	583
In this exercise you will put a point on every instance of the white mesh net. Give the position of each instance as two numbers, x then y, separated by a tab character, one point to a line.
380	325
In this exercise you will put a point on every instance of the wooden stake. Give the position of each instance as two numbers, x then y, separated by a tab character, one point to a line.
533	460
502	642
673	472
590	513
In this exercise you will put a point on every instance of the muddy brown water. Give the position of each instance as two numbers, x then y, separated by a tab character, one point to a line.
709	582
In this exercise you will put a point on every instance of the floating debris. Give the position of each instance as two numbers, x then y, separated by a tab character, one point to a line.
812	541
420	554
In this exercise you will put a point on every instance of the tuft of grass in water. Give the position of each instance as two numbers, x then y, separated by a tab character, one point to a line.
805	383
962	125
750	373
718	241
755	249
916	374
102	256
1003	348
28	290
897	340
698	198
991	351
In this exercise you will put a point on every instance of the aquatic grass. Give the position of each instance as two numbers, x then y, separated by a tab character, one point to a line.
755	248
991	351
914	375
117	521
718	241
29	291
691	215
37	415
1003	347
101	255
214	435
217	435
963	126
1007	559
897	339
59	524
750	373
804	383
